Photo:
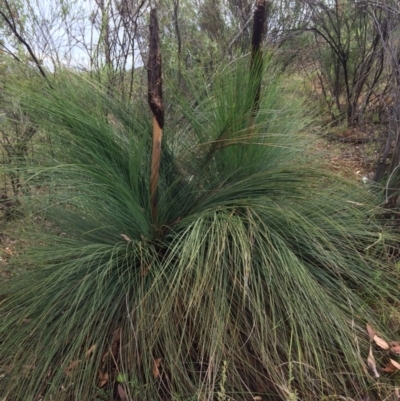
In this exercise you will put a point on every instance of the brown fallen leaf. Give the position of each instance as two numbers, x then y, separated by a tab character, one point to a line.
372	363
39	397
9	251
105	356
144	271
74	364
103	378
122	393
156	365
116	338
389	368
125	237
371	333
90	350
116	335
257	398
395	347
380	342
365	397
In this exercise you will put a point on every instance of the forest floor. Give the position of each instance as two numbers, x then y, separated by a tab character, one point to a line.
353	152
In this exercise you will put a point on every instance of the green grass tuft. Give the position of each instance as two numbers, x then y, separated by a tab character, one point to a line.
252	282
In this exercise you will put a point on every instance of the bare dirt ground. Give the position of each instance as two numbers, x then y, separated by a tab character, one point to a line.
351	153
8	249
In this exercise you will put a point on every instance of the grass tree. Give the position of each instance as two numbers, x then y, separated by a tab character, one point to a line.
251	281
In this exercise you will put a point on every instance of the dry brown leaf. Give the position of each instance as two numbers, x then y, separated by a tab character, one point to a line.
125	237
114	349
115	342
156	365
372	363
257	398
103	377
380	342
9	251
122	393
144	271
105	355
72	366
90	350
389	368
116	335
371	333
395	347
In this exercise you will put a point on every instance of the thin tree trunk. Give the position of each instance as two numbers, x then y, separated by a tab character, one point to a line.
178	35
256	65
156	105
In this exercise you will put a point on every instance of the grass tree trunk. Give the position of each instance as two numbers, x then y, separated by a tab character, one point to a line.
156	106
256	65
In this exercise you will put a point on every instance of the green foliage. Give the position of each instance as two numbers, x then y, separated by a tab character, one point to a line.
251	282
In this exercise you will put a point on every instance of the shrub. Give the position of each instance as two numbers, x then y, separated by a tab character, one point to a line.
251	281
